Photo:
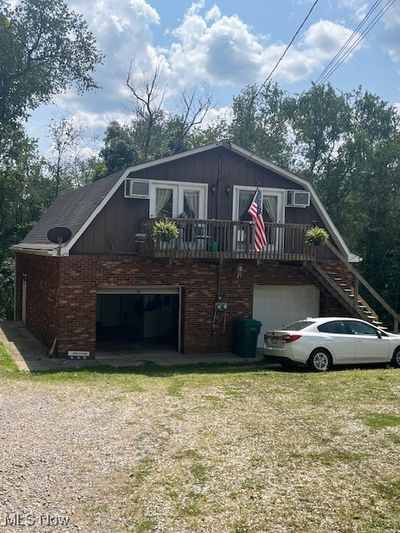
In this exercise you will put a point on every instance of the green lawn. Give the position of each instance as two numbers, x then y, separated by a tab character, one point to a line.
244	449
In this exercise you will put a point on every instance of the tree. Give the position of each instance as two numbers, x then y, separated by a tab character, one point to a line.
148	97
154	131
192	109
67	164
260	123
46	48
320	121
119	149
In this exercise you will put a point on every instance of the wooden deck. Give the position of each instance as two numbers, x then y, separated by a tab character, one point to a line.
227	239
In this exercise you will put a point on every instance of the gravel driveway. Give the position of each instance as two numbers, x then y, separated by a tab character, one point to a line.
61	445
227	452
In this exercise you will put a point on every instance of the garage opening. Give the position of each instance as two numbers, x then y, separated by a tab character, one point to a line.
138	320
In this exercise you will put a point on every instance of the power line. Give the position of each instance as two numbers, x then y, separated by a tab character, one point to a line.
286	49
344	54
352	36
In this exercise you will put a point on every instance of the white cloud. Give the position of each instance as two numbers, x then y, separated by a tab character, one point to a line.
389	39
223	50
123	31
359	7
206	47
213	14
391	35
326	37
215	115
98	120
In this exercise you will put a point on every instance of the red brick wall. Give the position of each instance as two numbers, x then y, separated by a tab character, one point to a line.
42	283
81	276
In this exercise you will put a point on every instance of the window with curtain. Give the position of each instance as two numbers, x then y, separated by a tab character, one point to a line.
245	198
270	211
270	208
164	203
191	204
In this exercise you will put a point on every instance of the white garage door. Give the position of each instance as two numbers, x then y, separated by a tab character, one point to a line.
277	305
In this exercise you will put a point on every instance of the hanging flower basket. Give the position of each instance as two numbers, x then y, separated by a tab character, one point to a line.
316	236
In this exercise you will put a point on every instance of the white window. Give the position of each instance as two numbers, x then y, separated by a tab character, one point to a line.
273	204
177	199
165	202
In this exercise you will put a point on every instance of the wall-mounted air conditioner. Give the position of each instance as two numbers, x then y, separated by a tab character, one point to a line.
297	198
137	188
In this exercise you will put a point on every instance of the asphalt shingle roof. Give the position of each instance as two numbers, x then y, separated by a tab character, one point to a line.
71	209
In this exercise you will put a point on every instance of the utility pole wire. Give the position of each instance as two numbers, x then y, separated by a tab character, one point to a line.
286	49
253	99
352	36
346	54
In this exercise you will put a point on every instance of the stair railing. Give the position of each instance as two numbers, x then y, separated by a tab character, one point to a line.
357	279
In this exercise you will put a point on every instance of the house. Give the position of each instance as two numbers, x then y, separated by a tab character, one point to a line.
107	283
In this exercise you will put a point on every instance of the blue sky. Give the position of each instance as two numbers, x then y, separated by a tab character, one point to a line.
224	44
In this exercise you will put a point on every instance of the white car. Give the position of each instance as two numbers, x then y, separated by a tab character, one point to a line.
322	342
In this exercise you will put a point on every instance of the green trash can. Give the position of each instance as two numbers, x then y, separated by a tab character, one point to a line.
245	334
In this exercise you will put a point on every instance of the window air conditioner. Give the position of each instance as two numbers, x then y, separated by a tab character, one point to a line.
297	199
137	188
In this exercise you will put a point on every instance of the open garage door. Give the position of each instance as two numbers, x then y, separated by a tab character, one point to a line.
138	319
278	305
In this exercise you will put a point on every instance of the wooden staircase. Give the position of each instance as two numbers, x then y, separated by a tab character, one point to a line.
344	283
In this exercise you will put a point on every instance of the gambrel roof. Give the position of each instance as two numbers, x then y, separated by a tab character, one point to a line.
78	208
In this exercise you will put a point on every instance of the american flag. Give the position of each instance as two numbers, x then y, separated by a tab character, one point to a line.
255	211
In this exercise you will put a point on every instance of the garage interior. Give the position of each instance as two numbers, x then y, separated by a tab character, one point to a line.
137	322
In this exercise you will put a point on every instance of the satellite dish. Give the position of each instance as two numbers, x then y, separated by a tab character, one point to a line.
59	235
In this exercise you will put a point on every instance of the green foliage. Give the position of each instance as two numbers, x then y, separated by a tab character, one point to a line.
165	230
126	145
8	368
261	121
45	48
316	236
7	288
119	149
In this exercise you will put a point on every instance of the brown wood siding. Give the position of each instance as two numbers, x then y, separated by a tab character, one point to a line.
114	227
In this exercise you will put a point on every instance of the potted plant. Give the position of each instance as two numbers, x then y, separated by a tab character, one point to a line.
164	231
316	236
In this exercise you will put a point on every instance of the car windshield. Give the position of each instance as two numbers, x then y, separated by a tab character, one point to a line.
297	326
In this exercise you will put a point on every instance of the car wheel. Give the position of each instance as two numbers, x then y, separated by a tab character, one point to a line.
396	358
320	360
